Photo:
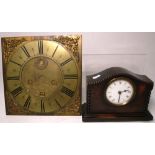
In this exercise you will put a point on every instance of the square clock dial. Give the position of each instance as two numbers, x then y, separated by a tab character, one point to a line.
42	75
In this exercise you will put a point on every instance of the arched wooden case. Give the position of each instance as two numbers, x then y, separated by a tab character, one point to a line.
98	108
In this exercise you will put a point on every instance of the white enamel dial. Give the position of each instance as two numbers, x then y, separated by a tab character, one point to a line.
119	92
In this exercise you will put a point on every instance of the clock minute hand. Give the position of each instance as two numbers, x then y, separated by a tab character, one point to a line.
119	92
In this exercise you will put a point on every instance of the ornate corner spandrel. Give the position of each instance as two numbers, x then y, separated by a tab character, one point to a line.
71	43
9	44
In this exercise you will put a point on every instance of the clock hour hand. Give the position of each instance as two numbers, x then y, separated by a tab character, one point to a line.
126	91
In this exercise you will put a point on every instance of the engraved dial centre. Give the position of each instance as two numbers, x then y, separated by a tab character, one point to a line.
41	76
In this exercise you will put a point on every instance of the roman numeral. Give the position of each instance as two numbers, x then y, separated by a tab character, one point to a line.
15	63
16	91
25	51
57	102
42	106
66	61
67	91
70	76
40	46
13	78
27	103
55	51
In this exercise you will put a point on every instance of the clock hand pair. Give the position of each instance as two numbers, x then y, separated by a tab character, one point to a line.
120	92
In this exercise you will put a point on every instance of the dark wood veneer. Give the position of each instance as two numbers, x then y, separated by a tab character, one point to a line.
98	107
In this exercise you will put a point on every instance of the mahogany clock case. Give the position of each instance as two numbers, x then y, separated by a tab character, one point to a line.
98	108
42	75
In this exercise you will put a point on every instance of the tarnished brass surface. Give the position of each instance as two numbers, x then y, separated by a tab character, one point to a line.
42	75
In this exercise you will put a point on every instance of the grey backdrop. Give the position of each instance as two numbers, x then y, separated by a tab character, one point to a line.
134	51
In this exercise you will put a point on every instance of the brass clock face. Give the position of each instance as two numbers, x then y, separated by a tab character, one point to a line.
42	76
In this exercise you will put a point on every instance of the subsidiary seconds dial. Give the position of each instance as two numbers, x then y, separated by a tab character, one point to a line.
119	91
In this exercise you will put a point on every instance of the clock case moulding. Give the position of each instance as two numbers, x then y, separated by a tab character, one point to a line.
73	43
97	107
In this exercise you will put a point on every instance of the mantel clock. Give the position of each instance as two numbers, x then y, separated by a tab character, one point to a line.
117	94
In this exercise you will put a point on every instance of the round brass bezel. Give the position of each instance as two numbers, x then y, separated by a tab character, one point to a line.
125	79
